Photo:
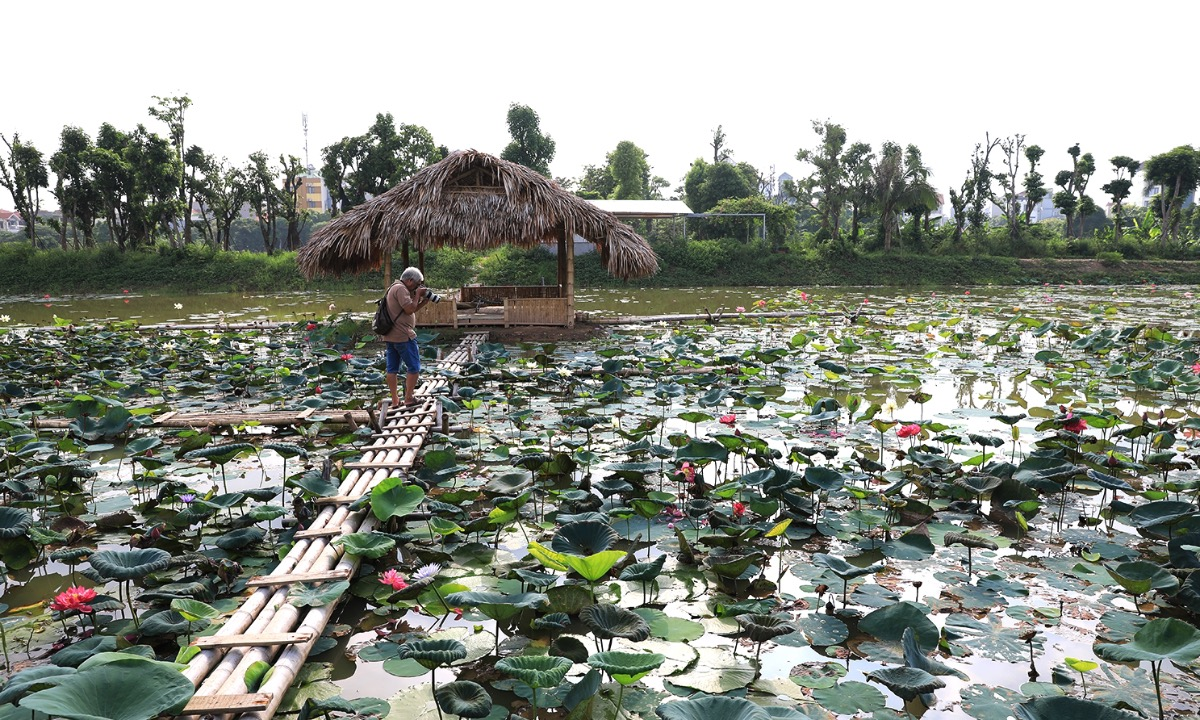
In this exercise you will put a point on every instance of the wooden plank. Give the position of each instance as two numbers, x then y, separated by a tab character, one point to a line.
379	465
306	413
318	532
164	418
252	640
336	499
287	579
225	704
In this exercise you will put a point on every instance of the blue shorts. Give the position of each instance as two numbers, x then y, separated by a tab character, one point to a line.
406	353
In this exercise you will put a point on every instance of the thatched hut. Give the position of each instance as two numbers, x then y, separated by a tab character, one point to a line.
475	201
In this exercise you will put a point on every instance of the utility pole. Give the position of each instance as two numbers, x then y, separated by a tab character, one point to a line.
304	122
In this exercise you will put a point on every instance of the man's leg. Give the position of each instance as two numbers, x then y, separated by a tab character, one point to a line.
410	388
392	385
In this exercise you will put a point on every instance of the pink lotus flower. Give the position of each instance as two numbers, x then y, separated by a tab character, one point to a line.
310	326
907	431
74	598
1074	424
347	356
866	301
739	509
317	390
688	471
803	296
739	308
1196	369
729	419
393	578
968	292
760	304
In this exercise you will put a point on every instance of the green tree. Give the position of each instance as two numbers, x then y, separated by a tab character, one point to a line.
1073	200
1012	148
780	218
78	197
362	166
980	179
529	146
171	111
289	209
197	174
265	198
596	183
859	162
23	173
225	192
630	172
137	175
920	198
825	189
1119	187
721	153
1034	183
1175	174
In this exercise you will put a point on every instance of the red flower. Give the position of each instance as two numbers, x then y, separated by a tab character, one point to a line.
347	356
1074	424
74	598
317	390
458	613
125	291
310	326
729	419
393	578
739	509
687	471
907	431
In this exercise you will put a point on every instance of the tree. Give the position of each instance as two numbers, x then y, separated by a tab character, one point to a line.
921	197
225	192
780	218
360	166
1118	188
23	173
1073	200
289	207
1175	174
197	174
1012	148
596	183
859	162
901	185
706	185
720	152
981	182
630	172
529	147
171	111
825	189
264	197
1035	189
78	197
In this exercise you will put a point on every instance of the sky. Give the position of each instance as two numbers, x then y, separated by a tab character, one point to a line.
1113	77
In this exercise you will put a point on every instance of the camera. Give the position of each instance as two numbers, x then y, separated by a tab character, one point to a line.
433	297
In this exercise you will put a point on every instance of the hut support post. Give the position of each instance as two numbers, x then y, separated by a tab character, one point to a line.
387	269
569	275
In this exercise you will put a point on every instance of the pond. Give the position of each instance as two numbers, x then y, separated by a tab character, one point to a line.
761	508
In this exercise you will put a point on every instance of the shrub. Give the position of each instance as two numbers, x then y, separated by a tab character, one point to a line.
1110	258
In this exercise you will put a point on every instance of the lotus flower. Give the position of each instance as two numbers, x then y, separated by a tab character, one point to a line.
739	509
310	326
729	419
74	598
393	578
907	431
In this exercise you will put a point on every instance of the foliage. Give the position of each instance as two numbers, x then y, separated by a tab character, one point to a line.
530	146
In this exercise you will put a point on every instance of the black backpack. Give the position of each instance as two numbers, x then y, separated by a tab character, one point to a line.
383	322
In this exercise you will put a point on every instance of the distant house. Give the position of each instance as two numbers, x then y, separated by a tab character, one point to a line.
312	195
1151	191
10	221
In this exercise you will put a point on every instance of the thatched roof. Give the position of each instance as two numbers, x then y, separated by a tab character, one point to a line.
473	201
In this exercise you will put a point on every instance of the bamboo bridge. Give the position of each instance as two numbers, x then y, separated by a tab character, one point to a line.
267	627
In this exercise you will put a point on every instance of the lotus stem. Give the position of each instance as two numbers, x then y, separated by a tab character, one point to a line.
620	702
1156	670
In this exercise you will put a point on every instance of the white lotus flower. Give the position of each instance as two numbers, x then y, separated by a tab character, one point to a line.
5	318
178	306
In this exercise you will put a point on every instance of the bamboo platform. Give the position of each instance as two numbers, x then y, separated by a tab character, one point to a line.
273	418
266	627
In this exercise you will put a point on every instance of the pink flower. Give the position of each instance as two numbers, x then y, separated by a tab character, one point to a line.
866	301
310	326
729	419
125	291
907	431
687	471
1074	424
739	509
393	578
347	356
1196	369
739	308
968	292
46	296
803	296
458	613
317	390
760	304
74	598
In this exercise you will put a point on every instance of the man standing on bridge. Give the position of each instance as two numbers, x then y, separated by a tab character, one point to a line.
404	298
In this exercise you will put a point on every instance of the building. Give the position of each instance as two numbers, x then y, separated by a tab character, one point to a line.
10	221
311	195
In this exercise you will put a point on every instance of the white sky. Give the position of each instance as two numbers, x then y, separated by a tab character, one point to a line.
1113	77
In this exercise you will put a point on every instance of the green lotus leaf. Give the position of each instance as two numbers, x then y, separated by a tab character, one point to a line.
70	556
594	567
75	655
553	621
979	483
761	628
194	609
888	623
906	682
464	698
104	692
286	450
497	606
569	647
317	595
819	477
969	540
1108	481
536	671
170	622
1061	707
915	657
626	667
1160	512
14	522
843	569
219	454
314	483
1159	639
393	498
732	566
1183	550
238	539
433	653
1141	576
129	564
700	450
644	571
713	707
583	538
673	629
849	698
30	679
610	621
368	545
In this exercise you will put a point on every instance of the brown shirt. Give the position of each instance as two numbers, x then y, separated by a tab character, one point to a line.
405	327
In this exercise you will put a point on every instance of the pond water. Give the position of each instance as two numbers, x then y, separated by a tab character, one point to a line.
1020	409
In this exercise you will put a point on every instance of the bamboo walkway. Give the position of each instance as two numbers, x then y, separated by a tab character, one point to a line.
268	628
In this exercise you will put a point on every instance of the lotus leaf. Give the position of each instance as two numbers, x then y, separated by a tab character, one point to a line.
1058	707
906	682
75	655
433	653
712	708
569	647
644	571
991	639
14	522
238	539
103	692
129	564
674	629
497	606
317	595
761	628
583	538
219	454
367	545
1141	576
553	621
464	698
536	671
30	679
889	623
626	667
1160	639
170	622
916	658
393	498
610	621
849	698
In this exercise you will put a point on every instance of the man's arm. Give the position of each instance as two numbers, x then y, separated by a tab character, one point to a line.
416	301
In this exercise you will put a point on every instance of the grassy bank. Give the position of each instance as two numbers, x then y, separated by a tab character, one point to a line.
683	264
